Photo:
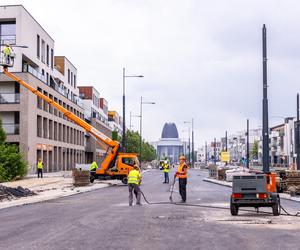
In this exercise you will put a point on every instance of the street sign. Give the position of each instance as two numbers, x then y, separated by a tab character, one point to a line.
225	156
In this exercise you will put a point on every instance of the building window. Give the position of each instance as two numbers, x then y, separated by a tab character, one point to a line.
38	46
47	55
68	76
8	32
47	78
43	51
74	81
52	56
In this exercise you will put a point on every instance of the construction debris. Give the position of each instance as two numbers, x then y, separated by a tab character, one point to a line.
81	177
8	193
290	182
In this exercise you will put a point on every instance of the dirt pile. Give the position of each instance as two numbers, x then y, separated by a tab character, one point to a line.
8	193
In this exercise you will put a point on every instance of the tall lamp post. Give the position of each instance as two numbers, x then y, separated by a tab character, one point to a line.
124	119
130	125
141	117
192	122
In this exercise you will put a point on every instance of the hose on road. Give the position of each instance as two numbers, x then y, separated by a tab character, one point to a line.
211	207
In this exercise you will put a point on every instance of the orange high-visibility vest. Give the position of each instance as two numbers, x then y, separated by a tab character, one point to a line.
182	171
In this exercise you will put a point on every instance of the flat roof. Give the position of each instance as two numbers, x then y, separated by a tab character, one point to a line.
20	5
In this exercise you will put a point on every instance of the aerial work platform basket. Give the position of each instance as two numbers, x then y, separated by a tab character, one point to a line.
7	62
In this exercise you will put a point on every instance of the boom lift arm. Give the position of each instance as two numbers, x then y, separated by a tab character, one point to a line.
114	145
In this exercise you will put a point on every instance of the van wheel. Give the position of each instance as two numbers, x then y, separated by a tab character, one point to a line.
124	180
234	209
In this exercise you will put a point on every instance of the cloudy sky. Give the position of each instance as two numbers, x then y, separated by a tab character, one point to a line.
200	59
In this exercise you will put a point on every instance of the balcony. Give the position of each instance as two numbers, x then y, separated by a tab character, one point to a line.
53	84
11	128
9	98
34	72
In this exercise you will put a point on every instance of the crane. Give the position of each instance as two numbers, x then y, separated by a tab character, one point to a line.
115	165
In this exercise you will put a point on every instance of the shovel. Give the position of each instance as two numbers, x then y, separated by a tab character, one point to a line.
172	188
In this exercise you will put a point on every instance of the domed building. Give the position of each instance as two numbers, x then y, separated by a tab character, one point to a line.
169	145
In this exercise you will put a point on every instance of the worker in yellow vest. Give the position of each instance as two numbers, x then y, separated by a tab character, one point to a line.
166	167
93	166
181	174
7	52
134	182
40	165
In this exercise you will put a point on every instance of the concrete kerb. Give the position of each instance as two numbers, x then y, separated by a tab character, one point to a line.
51	195
229	184
56	194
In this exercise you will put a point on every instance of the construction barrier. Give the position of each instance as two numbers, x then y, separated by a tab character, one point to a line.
81	177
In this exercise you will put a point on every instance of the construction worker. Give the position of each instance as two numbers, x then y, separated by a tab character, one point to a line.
40	165
181	174
7	52
134	182
93	166
166	167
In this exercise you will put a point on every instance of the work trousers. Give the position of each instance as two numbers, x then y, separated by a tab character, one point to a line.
7	59
182	188
166	177
40	172
137	191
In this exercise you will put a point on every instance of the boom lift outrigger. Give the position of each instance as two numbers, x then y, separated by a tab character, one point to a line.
115	165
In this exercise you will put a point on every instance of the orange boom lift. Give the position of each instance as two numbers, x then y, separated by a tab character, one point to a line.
115	165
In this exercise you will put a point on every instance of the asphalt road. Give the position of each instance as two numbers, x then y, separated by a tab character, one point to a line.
102	219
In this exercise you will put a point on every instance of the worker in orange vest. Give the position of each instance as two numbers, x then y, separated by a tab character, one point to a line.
181	174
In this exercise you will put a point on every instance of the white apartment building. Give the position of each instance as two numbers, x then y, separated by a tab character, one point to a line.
38	129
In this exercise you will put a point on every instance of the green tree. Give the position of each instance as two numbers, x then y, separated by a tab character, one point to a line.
254	150
133	146
12	164
2	134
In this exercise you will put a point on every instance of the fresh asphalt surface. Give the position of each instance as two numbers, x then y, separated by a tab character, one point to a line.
102	219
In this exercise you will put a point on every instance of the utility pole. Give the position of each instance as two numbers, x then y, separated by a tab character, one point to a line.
247	154
215	151
205	153
265	130
226	141
189	147
297	143
193	157
124	119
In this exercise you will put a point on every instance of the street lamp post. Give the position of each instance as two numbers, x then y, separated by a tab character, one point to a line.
141	117
124	119
130	115
247	152
192	122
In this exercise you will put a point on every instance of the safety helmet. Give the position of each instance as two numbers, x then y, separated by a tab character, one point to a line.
182	157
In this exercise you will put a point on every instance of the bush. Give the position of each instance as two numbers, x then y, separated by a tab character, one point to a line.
12	164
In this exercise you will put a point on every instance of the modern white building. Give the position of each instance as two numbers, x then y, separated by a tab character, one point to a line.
37	128
169	145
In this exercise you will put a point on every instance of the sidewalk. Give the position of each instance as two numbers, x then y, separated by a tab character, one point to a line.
229	184
52	186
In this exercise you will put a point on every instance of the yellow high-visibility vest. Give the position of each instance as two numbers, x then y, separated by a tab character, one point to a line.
134	177
40	165
7	51
93	166
166	168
